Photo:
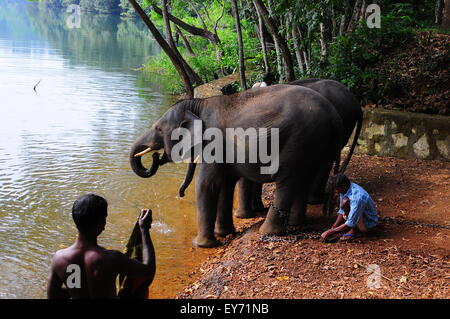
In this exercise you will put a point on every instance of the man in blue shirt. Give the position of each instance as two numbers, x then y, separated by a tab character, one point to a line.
357	214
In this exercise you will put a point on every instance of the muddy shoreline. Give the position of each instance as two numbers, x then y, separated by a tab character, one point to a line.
414	260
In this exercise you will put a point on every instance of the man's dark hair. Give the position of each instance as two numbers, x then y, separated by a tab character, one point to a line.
87	210
268	78
341	180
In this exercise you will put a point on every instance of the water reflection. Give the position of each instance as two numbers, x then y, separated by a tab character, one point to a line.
72	137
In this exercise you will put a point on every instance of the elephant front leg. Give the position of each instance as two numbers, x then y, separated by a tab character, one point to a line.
224	220
207	200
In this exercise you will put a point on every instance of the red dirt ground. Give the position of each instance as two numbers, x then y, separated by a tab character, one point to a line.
414	260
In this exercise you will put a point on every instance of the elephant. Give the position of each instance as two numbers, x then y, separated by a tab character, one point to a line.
350	112
309	133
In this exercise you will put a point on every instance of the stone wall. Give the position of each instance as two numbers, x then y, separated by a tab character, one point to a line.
405	135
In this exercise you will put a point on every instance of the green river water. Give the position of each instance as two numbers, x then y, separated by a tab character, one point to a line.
73	136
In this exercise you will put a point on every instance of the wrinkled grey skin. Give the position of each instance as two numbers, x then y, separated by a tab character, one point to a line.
350	112
311	134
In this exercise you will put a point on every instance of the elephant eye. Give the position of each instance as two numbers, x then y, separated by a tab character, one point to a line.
158	128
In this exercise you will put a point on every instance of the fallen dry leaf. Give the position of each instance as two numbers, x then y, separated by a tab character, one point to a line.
282	278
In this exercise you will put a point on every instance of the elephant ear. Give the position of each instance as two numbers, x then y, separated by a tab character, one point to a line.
194	124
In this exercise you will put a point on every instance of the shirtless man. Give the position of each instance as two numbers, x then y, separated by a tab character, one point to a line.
96	266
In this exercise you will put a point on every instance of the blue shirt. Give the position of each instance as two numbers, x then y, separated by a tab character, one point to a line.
361	204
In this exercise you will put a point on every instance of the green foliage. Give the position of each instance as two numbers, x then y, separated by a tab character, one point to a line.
209	61
127	9
421	12
353	56
350	59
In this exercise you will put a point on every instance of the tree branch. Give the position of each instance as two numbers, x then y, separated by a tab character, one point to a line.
190	28
165	46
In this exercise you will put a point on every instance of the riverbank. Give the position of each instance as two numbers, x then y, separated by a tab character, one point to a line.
413	259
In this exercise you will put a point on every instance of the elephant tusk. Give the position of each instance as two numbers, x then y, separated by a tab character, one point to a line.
143	152
188	160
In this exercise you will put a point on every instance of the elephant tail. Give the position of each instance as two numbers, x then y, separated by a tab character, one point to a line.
355	142
188	179
329	204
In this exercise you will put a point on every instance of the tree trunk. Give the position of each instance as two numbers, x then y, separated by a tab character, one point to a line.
273	29
323	43
176	37
438	11
342	26
206	11
288	20
325	34
193	77
281	67
362	14
186	43
298	50
446	15
262	37
334	30
355	16
198	15
178	64
260	30
306	51
279	63
167	25
240	44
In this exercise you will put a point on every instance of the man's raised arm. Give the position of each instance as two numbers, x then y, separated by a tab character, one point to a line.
148	251
146	268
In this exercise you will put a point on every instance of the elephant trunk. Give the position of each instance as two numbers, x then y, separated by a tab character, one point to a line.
136	162
188	179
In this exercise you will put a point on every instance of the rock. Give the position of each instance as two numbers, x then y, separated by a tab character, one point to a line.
400	140
375	129
422	148
444	147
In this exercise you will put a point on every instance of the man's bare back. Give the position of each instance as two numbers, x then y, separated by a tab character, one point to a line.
98	270
88	270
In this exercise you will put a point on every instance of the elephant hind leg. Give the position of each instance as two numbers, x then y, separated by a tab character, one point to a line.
297	216
317	194
250	203
257	204
278	215
245	193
